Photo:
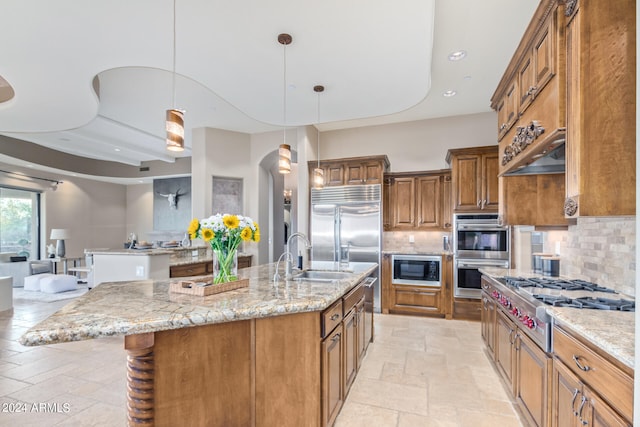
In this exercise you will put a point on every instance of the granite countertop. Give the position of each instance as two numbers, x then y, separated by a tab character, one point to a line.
416	252
146	252
127	308
611	331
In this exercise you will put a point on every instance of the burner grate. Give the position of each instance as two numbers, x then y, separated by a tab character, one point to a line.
587	302
559	284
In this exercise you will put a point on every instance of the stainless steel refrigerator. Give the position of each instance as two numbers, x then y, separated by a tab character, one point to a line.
346	220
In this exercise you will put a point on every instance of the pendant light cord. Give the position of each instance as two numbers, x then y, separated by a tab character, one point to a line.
284	92
173	77
318	130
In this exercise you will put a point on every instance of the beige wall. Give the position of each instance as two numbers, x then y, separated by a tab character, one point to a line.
412	146
139	216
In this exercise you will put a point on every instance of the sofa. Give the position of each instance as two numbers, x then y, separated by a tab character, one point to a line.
21	269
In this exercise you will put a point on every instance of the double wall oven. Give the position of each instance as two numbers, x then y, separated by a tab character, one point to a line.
478	241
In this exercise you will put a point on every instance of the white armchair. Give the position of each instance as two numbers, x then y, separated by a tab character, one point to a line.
17	270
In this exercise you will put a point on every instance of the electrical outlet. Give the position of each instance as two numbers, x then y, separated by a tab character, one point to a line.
139	271
411	239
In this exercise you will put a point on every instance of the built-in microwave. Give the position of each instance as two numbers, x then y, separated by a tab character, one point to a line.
418	270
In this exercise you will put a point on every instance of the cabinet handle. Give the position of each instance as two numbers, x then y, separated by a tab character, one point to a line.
576	392
512	339
532	90
503	126
581	366
447	224
335	316
479	202
336	337
582	402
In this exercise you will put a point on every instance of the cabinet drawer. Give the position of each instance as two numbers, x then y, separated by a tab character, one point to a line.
199	269
602	376
351	299
331	318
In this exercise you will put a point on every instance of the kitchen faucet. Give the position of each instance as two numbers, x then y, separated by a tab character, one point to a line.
288	266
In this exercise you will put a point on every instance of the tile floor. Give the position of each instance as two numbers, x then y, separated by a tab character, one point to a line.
418	372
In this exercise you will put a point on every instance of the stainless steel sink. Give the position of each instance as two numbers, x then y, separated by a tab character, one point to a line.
322	275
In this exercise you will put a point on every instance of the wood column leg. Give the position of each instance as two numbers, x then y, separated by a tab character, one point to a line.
140	377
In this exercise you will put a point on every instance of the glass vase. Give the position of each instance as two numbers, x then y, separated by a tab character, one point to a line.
225	265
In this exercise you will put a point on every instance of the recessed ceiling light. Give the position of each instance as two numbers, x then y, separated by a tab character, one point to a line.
64	139
467	77
457	55
449	93
116	149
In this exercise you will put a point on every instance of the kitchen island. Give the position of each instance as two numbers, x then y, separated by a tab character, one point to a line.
251	356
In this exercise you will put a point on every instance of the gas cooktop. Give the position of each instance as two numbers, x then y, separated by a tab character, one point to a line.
563	297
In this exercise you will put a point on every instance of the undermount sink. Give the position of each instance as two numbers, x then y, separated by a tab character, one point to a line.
322	275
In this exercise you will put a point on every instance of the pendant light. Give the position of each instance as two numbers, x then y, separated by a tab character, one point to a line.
318	173
175	117
284	150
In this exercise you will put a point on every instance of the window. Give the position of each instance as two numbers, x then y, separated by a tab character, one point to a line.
19	222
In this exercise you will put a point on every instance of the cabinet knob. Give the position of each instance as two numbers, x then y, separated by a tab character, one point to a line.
503	126
335	316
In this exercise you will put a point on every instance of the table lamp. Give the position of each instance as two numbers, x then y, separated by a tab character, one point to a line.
60	234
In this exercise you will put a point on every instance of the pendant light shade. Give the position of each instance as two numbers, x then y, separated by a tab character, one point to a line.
175	130
284	151
284	158
175	117
318	173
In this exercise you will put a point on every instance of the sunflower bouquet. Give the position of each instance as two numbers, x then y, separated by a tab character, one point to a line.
224	233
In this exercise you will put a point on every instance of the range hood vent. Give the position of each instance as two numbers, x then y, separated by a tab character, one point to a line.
551	162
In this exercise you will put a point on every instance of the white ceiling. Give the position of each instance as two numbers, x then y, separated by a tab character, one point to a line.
381	61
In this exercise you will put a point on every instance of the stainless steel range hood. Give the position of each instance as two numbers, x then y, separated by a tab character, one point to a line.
550	162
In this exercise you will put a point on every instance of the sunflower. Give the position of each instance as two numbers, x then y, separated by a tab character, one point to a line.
193	227
208	234
256	235
231	221
245	234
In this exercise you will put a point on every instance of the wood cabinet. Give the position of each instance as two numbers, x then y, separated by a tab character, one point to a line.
332	384
488	324
418	201
531	387
474	178
532	200
504	348
531	96
343	347
601	108
352	170
416	300
588	386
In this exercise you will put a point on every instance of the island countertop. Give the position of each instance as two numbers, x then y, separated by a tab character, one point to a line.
610	331
127	308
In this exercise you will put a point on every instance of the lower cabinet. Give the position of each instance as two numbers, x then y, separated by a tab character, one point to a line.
203	268
488	324
504	348
343	347
416	299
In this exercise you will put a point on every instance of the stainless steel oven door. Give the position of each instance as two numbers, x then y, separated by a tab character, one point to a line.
467	277
482	241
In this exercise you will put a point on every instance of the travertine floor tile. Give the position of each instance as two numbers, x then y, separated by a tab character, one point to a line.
419	372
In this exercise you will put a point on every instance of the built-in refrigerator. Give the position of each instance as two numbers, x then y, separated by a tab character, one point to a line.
346	226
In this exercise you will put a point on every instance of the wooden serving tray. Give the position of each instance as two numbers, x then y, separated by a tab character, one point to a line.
189	286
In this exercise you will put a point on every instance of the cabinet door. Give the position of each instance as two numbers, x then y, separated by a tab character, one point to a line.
197	269
403	203
361	335
490	189
544	55
416	299
354	174
372	172
334	174
566	396
488	323
526	80
332	383
511	104
532	371
350	350
428	202
504	350
467	194
599	414
447	213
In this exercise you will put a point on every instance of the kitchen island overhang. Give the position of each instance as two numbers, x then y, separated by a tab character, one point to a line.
242	357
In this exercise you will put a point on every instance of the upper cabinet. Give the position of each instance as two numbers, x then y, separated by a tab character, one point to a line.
601	108
417	201
352	170
530	98
474	178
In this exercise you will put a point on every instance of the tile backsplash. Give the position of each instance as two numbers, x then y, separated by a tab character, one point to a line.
598	249
424	241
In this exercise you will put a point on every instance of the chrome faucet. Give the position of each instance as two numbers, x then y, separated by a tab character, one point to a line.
288	266
276	276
